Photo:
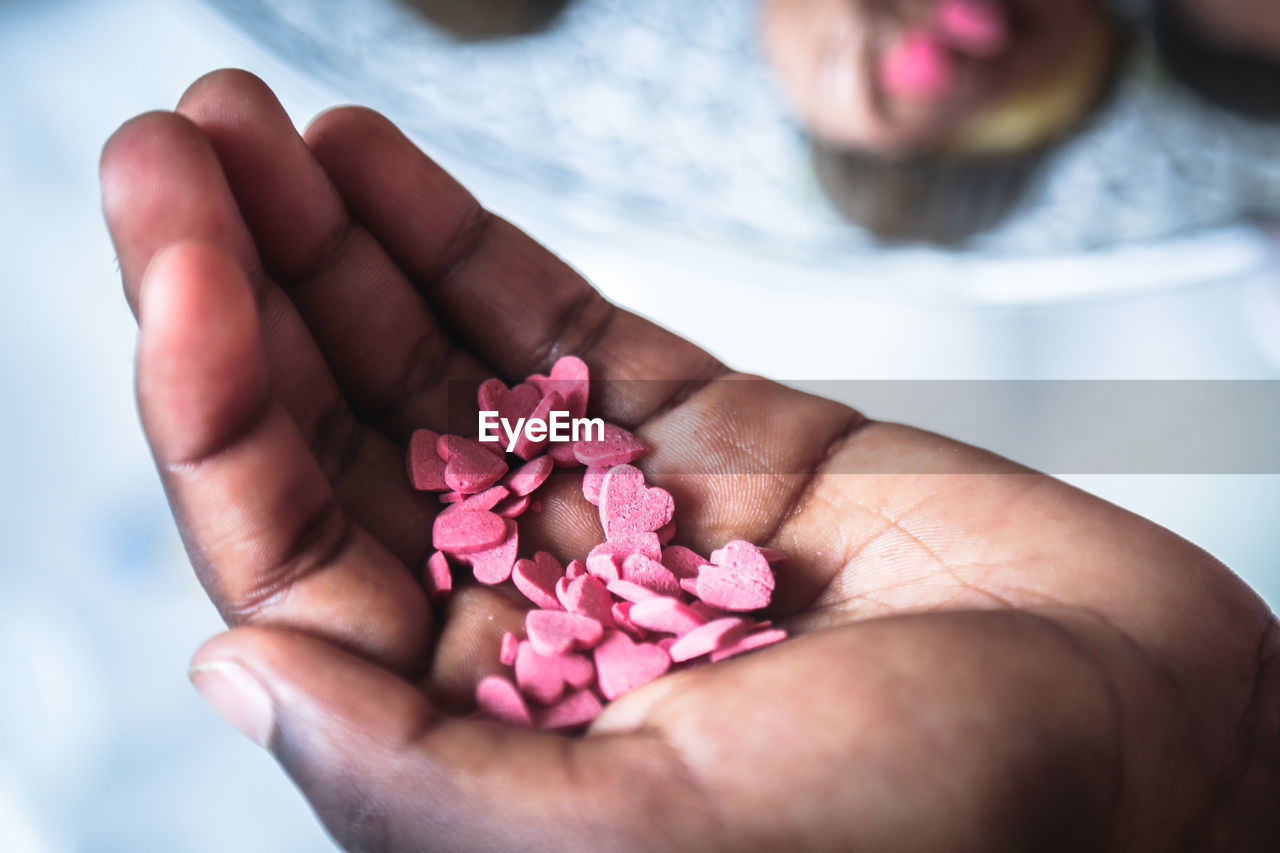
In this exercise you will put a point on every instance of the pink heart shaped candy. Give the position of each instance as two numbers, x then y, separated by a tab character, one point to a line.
529	476
575	709
571	378
487	499
707	638
738	578
628	506
470	466
588	596
683	562
513	506
437	578
639	569
622	618
538	675
498	698
527	448
426	468
554	631
508	648
537	578
493	565
466	532
623	665
747	643
628	591
591	480
511	404
604	565
665	615
561	452
615	447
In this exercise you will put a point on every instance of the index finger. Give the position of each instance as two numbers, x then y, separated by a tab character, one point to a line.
511	300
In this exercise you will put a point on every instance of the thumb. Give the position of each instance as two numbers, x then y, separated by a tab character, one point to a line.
385	770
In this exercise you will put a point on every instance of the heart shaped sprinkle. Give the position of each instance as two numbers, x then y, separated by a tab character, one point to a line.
707	612
682	562
615	447
623	665
498	698
738	578
639	569
537	578
622	618
526	447
561	452
437	578
470	466
587	596
571	379
628	591
487	499
707	638
749	642
666	615
426	468
540	676
529	476
628	506
604	566
466	532
493	565
577	669
554	631
513	506
666	533
575	709
507	650
511	404
591	481
617	550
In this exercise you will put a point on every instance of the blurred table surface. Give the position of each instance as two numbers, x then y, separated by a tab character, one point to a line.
103	745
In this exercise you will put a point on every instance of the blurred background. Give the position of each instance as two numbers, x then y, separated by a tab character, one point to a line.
648	144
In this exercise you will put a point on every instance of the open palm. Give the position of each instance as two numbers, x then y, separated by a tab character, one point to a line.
984	658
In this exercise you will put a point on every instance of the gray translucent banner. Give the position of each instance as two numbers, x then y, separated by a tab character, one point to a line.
1089	426
1062	427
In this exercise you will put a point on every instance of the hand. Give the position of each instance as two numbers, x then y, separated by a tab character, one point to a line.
984	658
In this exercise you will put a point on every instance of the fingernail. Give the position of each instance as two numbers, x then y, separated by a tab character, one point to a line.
238	697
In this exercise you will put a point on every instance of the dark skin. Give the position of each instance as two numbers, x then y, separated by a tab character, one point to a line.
983	658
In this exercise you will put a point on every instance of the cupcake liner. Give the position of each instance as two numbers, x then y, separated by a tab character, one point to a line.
945	201
477	20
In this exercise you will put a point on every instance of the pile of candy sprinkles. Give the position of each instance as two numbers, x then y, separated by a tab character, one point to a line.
634	608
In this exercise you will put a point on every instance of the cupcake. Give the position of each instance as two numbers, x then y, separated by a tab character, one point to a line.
1227	51
477	20
929	118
